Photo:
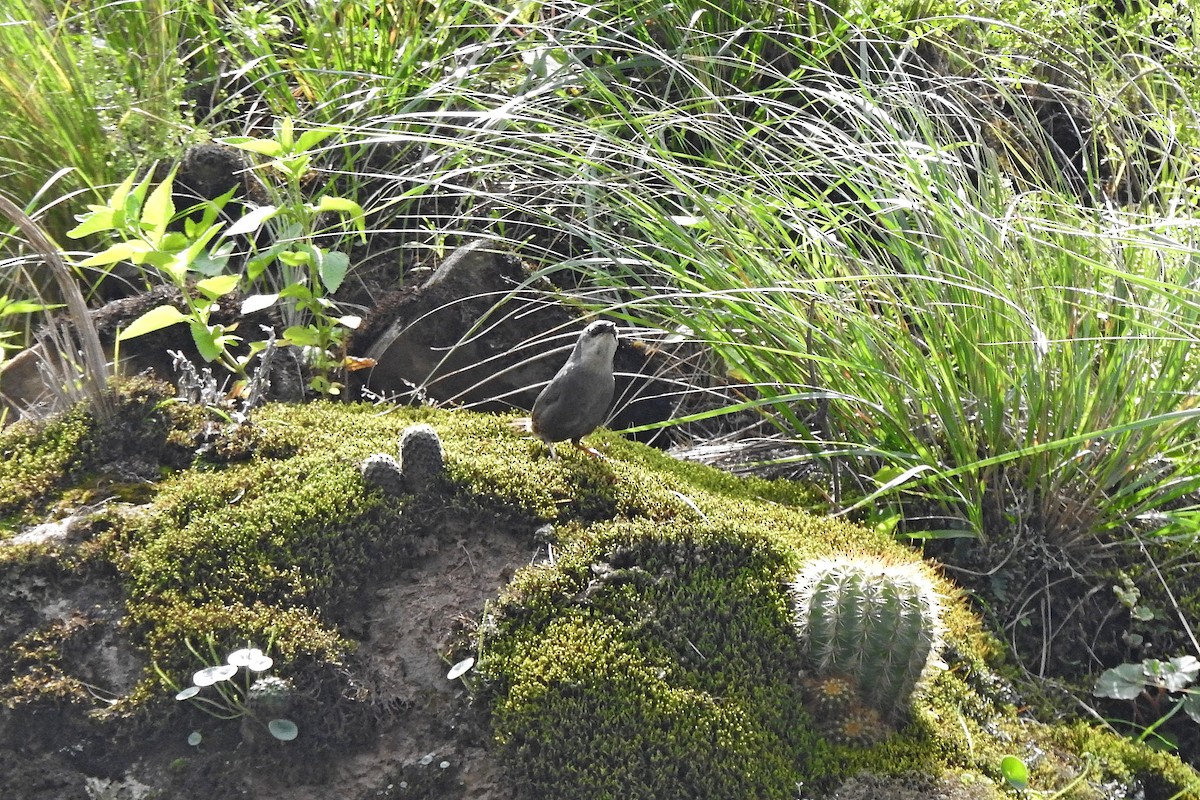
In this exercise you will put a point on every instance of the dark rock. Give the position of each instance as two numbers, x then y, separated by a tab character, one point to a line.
479	333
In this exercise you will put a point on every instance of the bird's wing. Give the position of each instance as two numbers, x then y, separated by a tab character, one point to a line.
551	394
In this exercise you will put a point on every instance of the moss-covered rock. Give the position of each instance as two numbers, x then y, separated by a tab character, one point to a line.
648	652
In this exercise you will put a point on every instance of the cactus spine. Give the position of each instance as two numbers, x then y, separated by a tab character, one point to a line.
420	463
876	622
381	470
421	459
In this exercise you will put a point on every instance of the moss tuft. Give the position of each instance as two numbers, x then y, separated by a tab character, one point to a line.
627	658
145	435
38	457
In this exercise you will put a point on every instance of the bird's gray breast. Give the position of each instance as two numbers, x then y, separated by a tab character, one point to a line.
573	404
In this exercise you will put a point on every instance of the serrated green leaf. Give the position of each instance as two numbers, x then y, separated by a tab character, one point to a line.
100	218
174	241
311	138
159	210
299	257
333	267
117	200
283	132
259	263
153	320
213	262
257	302
302	336
205	338
130	210
188	258
294	166
343	205
217	286
340	204
296	291
121	251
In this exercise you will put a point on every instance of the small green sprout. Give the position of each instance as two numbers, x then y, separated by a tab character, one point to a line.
1015	772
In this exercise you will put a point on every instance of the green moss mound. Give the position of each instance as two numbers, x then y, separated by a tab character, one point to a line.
653	654
630	662
658	658
73	458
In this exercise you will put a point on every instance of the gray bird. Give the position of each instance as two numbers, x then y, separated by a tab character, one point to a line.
576	400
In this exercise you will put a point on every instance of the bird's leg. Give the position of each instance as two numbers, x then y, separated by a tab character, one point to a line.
591	451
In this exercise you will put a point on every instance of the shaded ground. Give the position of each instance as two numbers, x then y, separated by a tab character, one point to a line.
429	740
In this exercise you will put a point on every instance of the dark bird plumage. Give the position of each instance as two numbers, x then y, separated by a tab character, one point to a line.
576	400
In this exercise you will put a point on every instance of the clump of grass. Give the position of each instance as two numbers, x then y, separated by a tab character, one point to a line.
90	90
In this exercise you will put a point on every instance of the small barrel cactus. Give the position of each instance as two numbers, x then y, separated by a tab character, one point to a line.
269	697
860	726
421	460
878	623
382	471
830	696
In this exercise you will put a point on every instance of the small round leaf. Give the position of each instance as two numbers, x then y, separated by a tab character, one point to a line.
188	693
210	675
260	663
243	657
194	738
1015	772
283	729
460	669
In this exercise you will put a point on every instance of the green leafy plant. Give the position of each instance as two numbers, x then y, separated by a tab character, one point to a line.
259	699
300	271
139	218
1164	687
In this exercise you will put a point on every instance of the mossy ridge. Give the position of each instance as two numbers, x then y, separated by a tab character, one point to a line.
631	733
638	616
1161	774
675	641
492	460
689	612
271	548
40	459
706	571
